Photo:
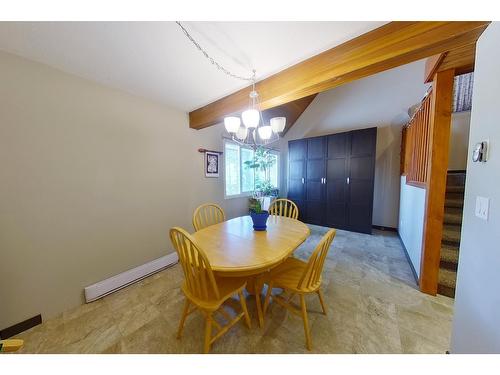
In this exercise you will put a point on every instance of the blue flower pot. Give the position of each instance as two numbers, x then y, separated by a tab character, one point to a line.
259	220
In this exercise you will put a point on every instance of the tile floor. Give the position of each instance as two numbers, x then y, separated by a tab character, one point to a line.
371	296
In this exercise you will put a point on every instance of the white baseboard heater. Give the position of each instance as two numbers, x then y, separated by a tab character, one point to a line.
108	286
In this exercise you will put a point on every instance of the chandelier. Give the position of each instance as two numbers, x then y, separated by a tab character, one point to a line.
250	129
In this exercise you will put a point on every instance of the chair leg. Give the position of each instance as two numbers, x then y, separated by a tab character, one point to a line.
244	308
268	296
306	323
183	318
258	290
208	333
320	295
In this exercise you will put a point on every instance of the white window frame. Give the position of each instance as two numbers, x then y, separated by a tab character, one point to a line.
248	193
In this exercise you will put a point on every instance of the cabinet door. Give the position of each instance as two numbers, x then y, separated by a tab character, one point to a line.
315	168
362	155
297	154
337	165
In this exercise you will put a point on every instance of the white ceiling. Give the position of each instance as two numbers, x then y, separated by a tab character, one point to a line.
156	60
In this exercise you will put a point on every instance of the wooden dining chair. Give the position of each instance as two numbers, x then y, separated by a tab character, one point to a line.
299	277
284	207
208	214
204	290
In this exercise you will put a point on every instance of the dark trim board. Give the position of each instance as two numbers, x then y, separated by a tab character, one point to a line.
409	260
20	327
380	227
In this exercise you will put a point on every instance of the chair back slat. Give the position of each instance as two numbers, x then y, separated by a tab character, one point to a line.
284	207
200	281
311	277
208	214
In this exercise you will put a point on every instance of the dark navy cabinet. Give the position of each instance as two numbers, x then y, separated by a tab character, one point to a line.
331	178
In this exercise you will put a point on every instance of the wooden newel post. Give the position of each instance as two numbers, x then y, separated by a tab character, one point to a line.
437	167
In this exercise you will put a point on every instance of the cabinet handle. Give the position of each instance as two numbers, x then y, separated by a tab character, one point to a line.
347	180
324	180
303	180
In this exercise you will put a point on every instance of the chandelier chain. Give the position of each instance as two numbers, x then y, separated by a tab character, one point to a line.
212	60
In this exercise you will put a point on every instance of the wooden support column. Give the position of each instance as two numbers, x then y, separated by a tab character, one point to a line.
437	167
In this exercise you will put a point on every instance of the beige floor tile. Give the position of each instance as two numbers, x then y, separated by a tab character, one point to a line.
433	327
134	318
96	341
413	342
377	327
155	337
373	306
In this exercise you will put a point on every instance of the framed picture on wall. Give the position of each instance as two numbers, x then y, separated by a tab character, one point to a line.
211	164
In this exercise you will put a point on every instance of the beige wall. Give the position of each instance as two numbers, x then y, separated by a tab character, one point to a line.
91	181
459	141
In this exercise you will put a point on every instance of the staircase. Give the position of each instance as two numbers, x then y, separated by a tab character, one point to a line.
452	226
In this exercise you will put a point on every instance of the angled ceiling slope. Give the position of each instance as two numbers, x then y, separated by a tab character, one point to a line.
391	45
291	111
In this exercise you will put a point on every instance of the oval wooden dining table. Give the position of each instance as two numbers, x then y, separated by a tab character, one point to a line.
235	249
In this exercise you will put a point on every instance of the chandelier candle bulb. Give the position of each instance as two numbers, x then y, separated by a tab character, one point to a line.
278	124
265	132
242	133
251	118
232	124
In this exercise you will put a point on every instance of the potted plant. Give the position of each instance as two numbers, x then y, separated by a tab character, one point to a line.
258	215
262	162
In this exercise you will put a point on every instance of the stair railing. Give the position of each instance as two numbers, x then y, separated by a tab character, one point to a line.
415	144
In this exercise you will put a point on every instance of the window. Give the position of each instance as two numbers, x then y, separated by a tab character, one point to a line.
241	180
462	92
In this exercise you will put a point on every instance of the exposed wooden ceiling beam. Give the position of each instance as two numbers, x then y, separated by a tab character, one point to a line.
461	59
394	44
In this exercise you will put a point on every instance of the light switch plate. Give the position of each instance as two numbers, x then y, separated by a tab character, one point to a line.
482	207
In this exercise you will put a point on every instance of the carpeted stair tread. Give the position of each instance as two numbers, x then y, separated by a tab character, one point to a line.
459	196
449	254
451	233
455	179
452	226
455	189
446	291
454	202
447	278
454	210
447	282
452	216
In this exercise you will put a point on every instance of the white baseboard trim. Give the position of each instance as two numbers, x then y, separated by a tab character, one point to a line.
108	286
